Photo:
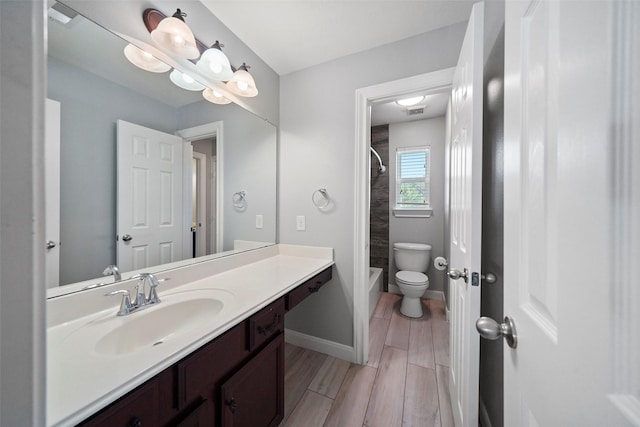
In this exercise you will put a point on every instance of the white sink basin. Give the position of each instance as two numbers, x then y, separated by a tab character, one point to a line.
177	316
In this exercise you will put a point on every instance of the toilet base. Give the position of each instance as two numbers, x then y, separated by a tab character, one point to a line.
411	307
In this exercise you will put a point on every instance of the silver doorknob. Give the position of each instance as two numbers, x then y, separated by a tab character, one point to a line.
127	238
489	278
457	274
492	330
51	244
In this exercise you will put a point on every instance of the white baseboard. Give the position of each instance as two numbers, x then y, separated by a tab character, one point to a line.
437	295
485	421
321	345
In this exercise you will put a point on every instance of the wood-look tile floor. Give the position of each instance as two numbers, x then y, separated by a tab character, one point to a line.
404	383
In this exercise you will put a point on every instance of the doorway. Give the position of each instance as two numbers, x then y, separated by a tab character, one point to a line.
206	183
436	81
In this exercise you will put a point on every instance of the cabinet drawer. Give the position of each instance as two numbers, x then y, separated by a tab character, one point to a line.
138	408
307	288
265	324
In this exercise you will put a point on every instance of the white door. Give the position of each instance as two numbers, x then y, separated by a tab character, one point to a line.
150	225
466	222
572	213
52	192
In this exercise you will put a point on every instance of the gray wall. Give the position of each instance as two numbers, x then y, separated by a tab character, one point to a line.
491	352
429	132
249	156
89	109
317	140
379	204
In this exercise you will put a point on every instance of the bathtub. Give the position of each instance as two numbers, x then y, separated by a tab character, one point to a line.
375	288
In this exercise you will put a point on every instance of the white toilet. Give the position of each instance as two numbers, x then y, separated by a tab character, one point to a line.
412	261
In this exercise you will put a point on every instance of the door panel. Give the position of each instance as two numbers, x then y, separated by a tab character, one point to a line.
52	193
466	221
572	213
150	190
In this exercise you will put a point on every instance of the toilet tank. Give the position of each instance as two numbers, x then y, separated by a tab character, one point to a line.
412	256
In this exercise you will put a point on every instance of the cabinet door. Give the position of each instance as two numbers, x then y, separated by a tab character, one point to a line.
254	396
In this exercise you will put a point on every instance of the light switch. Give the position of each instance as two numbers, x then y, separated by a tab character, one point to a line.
300	223
259	221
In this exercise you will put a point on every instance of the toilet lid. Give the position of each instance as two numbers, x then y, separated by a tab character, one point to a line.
412	277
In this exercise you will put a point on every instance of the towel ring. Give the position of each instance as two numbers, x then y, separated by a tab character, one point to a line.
239	199
323	201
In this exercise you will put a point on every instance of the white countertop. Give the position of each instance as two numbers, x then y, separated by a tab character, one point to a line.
80	381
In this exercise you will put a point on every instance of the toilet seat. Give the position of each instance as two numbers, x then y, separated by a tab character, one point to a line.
412	278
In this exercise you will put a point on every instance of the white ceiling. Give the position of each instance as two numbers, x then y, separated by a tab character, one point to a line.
291	35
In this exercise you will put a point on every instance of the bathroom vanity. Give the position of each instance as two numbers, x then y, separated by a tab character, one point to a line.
221	369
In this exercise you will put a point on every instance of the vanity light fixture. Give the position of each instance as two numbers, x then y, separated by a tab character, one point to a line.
408	102
145	60
242	82
174	35
215	63
214	96
184	81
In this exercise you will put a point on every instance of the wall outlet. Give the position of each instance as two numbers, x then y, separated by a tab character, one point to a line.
259	221
300	223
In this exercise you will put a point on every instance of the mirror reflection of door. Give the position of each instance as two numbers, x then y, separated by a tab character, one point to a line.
204	194
52	193
150	223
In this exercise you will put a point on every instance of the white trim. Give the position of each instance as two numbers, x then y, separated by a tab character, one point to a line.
412	213
205	131
187	242
331	348
435	81
201	208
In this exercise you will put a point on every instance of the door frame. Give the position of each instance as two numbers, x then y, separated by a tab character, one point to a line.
200	172
201	132
435	81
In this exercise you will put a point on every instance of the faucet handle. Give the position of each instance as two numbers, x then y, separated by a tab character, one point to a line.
125	304
153	291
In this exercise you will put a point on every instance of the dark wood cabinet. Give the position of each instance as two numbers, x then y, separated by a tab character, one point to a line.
309	287
236	380
138	409
254	396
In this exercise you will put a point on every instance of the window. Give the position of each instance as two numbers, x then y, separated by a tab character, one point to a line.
412	178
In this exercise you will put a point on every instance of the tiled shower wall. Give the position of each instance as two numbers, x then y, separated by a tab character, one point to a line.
379	216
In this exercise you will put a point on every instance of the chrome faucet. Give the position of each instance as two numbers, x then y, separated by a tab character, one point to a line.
141	300
113	269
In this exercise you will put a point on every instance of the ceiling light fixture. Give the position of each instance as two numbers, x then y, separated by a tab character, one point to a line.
174	35
185	81
408	102
215	63
242	82
145	60
214	96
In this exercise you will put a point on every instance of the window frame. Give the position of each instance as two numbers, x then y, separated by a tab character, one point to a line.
418	209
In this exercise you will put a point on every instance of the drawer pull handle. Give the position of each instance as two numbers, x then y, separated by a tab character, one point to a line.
231	403
269	329
135	422
315	288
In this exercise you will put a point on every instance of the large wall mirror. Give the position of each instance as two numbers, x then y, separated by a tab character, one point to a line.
228	175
